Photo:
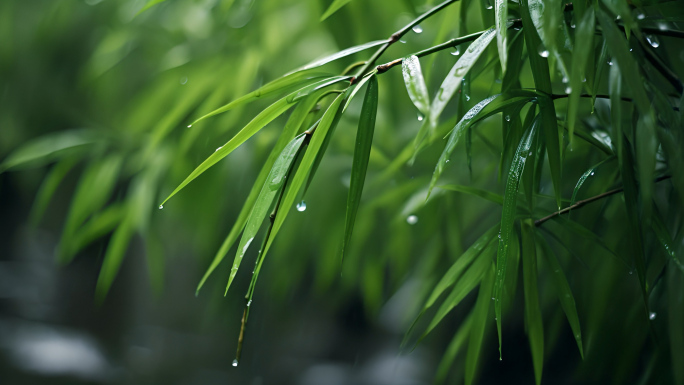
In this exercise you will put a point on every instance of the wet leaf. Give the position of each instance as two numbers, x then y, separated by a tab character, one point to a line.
665	240
364	141
587	174
533	316
334	6
584	34
341	54
480	321
484	194
501	17
454	347
415	84
46	148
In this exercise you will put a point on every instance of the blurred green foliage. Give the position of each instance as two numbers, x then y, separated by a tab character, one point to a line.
548	106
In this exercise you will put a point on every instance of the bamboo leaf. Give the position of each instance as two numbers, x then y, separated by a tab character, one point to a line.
357	87
99	225
501	17
116	250
484	194
148	5
48	147
481	110
293	124
552	142
341	54
48	188
453	79
535	326
587	174
564	292
584	34
452	350
480	321
364	141
274	181
508	217
415	84
334	6
665	240
588	235
537	53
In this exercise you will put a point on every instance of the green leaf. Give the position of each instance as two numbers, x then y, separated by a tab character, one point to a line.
293	124
290	80
341	54
454	78
584	34
415	84
364	141
334	6
501	17
481	110
552	142
48	188
533	316
116	250
480	321
274	181
484	194
665	239
454	347
586	175
508	217
587	235
46	148
511	77
99	225
148	5
531	15
357	87
564	292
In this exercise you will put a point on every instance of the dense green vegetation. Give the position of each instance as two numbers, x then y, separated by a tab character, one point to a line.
519	170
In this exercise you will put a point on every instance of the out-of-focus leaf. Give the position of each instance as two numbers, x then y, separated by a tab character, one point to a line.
501	17
530	13
453	79
334	6
48	187
508	217
154	253
341	54
99	225
481	110
290	80
484	194
48	147
116	250
415	84
587	174
274	181
563	291
293	124
480	321
584	34
533	316
665	240
552	142
148	5
588	235
675	294
364	141
452	350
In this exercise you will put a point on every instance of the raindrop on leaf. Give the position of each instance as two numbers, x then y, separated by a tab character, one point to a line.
417	29
301	206
420	117
235	362
651	316
653	41
161	207
412	219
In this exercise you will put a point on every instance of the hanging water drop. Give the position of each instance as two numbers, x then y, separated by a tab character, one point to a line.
508	118
184	80
641	16
417	29
592	173
572	25
543	52
189	125
412	219
568	89
235	362
651	316
610	62
653	41
456	52
301	206
161	207
420	117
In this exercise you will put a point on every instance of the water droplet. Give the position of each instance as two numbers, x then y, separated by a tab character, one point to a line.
235	362
641	16
447	161
420	117
568	89
508	118
631	49
631	272
456	52
189	125
572	25
184	80
651	316
592	173
218	148
565	79
493	298
543	52
610	62
488	4
662	26
653	41
467	97
530	154
402	41
412	219
417	29
161	207
301	206
249	303
500	359
584	80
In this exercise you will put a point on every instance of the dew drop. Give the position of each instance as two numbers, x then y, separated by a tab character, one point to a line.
402	41
420	117
651	316
488	4
543	52
568	90
412	219
189	125
467	97
249	303
530	154
184	80
301	206
446	161
508	118
218	148
641	16
161	207
417	29
653	41
565	79
631	272
235	362
456	52
662	26
592	173
572	25
610	62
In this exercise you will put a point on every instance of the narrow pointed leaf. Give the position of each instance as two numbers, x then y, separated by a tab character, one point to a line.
584	35
48	147
587	174
453	79
357	87
364	141
334	6
148	5
665	240
116	250
480	322
270	189
564	292
484	194
533	316
48	188
415	83
508	217
293	124
501	17
341	54
454	347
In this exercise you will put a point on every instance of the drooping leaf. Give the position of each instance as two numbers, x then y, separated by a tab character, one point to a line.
537	53
563	291
533	316
480	322
501	17
364	141
48	147
508	217
271	188
48	188
293	124
584	34
334	6
453	79
113	258
99	225
587	174
415	84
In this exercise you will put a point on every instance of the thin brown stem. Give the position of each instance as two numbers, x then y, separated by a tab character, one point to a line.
583	202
